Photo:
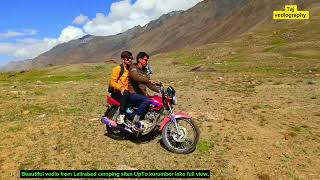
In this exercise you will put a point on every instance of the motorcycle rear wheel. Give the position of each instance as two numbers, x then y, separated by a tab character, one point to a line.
175	141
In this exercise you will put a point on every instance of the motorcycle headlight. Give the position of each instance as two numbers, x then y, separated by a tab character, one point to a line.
174	100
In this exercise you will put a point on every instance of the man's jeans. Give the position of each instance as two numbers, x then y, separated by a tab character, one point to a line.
123	99
140	101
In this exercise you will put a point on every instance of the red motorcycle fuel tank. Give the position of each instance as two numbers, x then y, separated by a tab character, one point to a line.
156	101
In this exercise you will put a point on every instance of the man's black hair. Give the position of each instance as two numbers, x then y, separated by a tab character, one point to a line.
142	55
126	54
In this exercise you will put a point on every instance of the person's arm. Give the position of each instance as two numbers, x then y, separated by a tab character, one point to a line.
115	77
153	87
133	73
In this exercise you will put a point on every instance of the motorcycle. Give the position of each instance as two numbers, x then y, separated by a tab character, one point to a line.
179	132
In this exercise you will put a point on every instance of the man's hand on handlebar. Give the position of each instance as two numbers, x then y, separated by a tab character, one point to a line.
152	82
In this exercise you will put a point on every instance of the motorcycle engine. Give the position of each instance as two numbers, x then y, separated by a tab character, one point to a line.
150	119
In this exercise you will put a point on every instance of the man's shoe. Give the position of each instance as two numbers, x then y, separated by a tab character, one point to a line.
120	119
138	127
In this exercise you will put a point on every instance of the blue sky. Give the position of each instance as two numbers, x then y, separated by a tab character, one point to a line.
31	27
48	17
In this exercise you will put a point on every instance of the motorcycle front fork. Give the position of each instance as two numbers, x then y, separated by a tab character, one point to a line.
174	120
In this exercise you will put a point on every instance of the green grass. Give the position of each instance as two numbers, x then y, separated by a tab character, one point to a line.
298	129
36	109
58	74
73	111
65	78
39	93
261	106
11	115
205	146
191	61
15	128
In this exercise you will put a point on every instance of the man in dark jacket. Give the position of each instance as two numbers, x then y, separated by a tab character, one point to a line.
138	81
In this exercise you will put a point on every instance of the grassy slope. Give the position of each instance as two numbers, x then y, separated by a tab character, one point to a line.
256	102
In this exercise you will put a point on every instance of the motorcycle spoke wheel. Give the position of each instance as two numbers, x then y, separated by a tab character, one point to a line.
183	139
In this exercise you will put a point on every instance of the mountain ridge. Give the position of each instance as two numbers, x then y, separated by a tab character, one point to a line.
207	22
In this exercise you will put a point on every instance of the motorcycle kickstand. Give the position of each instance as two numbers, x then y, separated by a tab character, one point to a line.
138	134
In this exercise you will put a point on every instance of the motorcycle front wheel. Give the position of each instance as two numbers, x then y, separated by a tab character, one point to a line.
181	141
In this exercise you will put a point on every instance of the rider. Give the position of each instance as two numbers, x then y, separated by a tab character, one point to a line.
138	81
119	83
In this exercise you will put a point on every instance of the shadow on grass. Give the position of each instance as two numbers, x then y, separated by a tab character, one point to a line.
138	139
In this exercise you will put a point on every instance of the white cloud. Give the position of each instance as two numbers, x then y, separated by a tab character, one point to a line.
125	15
80	20
27	49
30	48
12	34
69	33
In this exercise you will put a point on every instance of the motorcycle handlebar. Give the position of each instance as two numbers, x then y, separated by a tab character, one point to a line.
161	87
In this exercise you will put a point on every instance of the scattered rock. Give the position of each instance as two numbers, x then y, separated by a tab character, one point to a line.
311	82
25	112
211	117
42	116
39	82
94	119
277	144
175	62
195	68
289	136
202	69
14	92
227	117
264	177
220	78
197	164
55	147
23	71
250	138
222	163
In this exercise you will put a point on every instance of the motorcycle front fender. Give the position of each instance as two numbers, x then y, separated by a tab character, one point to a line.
177	116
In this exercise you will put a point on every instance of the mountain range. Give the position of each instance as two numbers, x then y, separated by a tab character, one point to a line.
207	22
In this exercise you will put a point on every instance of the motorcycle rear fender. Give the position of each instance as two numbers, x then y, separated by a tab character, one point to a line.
177	116
112	101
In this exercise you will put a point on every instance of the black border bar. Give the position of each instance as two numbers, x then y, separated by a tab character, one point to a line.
114	173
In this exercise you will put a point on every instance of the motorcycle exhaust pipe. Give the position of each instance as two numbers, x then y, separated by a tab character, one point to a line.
108	122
